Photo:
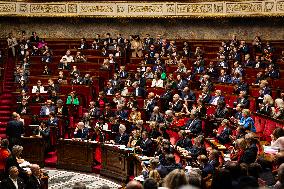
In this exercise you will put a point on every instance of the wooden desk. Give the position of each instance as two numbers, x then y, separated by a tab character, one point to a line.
117	163
34	148
75	155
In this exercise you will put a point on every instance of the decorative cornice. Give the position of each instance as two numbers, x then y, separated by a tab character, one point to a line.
133	9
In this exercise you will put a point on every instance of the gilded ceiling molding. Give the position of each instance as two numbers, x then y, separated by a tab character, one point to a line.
133	9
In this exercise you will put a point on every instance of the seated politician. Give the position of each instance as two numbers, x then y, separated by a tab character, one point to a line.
121	138
47	108
81	132
194	125
145	145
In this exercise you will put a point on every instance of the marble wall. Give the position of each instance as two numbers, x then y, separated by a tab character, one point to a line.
218	28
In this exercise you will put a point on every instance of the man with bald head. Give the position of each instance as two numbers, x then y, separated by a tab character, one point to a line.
34	181
134	185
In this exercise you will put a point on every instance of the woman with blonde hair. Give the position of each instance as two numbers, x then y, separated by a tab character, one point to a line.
175	179
246	121
265	106
278	109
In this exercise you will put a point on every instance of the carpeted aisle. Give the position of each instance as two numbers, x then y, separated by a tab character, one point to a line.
61	179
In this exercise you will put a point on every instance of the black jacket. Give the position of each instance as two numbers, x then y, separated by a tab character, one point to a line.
8	184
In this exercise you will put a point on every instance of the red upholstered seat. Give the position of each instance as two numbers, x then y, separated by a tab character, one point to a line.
210	110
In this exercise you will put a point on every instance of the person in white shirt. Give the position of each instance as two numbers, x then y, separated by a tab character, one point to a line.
68	57
38	88
157	81
12	42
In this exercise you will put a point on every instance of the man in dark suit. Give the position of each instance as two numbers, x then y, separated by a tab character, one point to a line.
122	138
250	153
14	130
188	95
81	131
108	39
224	78
181	83
176	105
156	115
107	112
52	87
151	103
94	111
166	97
242	99
120	40
121	113
145	145
194	125
13	181
241	86
214	99
184	141
138	91
224	136
141	80
109	90
34	181
34	38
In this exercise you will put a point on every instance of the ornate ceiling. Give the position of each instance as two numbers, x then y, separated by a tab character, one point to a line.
148	9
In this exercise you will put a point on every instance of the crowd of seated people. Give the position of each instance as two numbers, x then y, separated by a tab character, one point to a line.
181	105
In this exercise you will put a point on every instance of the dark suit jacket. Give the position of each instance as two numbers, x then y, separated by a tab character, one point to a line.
8	184
181	84
54	122
221	112
224	79
111	91
158	118
242	87
151	106
206	98
21	107
83	134
243	101
177	107
141	92
213	98
64	111
194	125
121	139
188	96
224	136
12	161
142	82
249	155
33	183
184	142
146	146
14	129
95	112
122	114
